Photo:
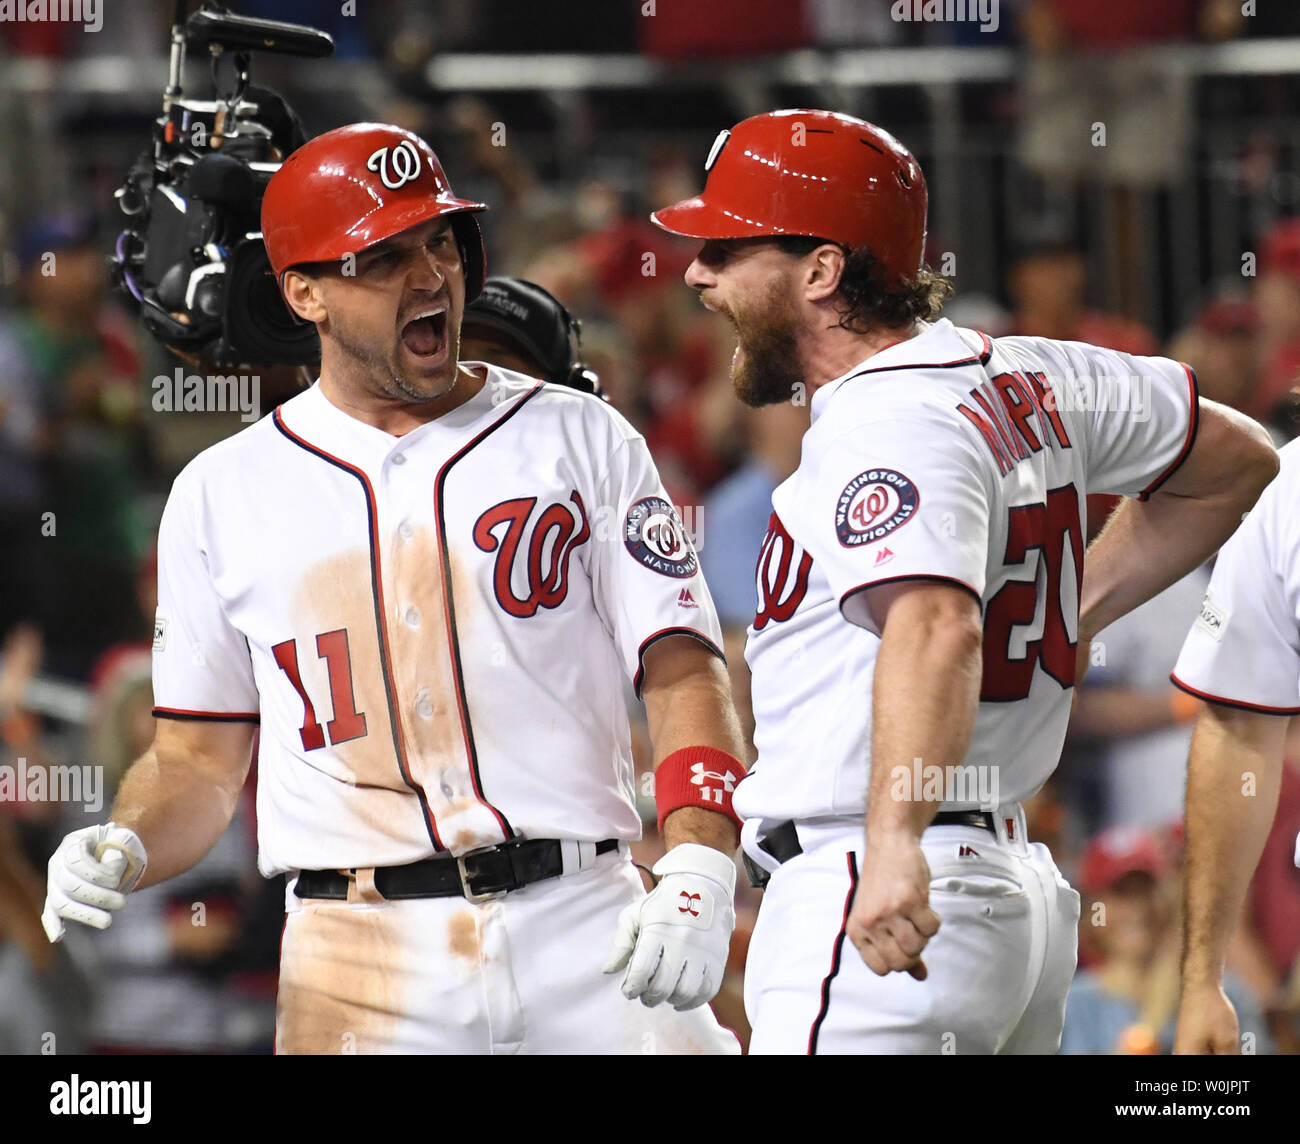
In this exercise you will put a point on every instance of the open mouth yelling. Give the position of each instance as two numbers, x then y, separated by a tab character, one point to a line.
425	335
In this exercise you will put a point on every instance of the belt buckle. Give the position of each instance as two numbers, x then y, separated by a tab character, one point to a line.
478	897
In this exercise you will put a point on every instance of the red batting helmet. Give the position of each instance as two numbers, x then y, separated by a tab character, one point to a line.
358	185
813	173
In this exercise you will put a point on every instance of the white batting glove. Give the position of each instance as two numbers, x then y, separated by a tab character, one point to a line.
674	941
90	874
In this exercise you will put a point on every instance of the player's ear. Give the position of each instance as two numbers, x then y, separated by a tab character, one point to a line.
822	270
303	294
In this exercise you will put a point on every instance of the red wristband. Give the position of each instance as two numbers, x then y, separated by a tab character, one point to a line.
697	776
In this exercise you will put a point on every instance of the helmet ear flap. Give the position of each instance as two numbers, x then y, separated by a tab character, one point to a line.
469	237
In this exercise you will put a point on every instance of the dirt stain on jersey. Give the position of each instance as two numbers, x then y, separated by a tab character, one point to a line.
337	592
424	677
465	840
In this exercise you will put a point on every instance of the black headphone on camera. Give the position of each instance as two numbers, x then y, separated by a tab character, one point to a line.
537	322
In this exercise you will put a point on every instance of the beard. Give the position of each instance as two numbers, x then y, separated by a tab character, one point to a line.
380	372
769	369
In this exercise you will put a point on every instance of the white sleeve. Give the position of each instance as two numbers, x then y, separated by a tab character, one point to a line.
1244	647
873	509
645	573
201	664
1139	415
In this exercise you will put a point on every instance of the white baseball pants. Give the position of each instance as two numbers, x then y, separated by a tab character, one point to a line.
999	967
518	974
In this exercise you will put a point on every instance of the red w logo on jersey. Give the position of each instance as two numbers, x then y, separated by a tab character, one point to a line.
547	586
780	592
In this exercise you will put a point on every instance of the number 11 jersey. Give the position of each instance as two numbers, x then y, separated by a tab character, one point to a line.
959	459
433	630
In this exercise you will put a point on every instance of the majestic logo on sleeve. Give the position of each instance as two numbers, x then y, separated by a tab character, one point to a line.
654	535
782	575
558	531
873	505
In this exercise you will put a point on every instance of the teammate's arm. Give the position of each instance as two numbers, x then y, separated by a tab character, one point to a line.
174	803
1148	545
1233	751
687	698
924	702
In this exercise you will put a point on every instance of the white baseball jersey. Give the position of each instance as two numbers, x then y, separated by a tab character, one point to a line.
953	458
432	629
1244	647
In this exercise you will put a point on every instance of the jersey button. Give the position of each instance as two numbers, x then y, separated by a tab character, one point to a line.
412	617
399	458
425	708
404	530
447	792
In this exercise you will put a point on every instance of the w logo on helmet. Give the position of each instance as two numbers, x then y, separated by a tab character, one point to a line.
396	166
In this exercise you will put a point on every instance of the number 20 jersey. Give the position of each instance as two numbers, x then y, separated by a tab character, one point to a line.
958	459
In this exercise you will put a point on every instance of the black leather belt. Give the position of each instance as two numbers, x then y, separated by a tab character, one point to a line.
478	875
782	842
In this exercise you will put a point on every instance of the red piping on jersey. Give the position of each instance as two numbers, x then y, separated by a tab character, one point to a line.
449	609
215	716
836	954
656	637
1240	704
844	599
381	623
1193	422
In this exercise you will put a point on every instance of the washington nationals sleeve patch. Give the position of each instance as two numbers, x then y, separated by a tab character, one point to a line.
654	536
873	505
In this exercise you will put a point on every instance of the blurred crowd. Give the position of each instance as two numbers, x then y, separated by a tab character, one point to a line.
86	462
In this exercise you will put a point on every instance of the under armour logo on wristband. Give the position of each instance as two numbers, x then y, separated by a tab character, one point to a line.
701	778
684	779
689	908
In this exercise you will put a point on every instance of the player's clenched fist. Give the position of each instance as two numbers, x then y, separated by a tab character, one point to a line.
1207	1022
674	941
90	874
891	919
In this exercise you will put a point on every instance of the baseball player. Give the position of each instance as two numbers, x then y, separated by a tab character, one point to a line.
425	579
921	595
1242	656
519	325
